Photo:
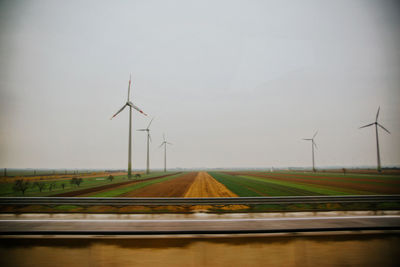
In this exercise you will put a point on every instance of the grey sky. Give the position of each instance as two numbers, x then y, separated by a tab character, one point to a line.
231	83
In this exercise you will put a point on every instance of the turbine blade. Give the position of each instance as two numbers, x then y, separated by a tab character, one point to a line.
163	136
315	144
150	138
135	107
161	144
315	134
169	143
367	125
141	130
384	128
148	126
129	86
118	111
307	139
377	114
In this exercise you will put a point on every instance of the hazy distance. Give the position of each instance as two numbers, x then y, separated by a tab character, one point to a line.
230	83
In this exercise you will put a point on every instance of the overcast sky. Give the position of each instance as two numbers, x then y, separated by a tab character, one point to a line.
231	83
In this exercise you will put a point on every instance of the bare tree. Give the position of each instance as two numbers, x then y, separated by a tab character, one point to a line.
21	185
76	181
110	178
40	185
52	186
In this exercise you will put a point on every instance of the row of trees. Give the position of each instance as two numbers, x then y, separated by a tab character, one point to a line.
22	185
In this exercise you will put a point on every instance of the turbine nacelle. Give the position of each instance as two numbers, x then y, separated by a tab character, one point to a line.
128	103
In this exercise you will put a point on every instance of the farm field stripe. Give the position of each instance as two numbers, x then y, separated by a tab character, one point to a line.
241	186
311	189
6	188
232	183
324	177
120	192
171	188
143	178
361	188
206	186
265	188
348	174
344	179
103	187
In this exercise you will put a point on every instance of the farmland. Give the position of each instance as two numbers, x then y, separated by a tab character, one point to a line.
210	184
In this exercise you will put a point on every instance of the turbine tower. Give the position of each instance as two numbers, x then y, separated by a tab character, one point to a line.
130	105
376	123
165	143
148	140
312	148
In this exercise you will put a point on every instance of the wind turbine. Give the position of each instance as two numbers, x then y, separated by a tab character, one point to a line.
312	147
148	140
130	105
165	143
376	123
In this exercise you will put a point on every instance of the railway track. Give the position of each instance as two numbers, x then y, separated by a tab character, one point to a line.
90	201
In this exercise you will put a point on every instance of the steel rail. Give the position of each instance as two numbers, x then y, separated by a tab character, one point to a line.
92	201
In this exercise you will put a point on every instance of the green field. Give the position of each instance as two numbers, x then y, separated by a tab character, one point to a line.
252	184
6	188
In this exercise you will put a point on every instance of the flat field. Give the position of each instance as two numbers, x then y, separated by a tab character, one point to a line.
215	184
297	184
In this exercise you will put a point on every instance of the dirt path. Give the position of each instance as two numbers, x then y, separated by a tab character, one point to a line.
176	187
206	186
106	187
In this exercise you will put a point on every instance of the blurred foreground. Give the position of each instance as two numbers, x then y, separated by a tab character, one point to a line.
327	249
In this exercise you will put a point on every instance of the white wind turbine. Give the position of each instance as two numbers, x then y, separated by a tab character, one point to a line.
148	140
165	143
312	148
376	123
130	105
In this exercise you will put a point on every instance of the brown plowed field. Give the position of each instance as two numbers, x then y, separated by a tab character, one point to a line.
206	186
381	189
105	187
176	187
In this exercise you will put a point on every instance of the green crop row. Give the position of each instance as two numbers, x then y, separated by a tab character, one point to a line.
249	186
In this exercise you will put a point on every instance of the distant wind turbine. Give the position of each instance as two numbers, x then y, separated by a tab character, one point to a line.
148	140
376	123
165	143
130	105
312	147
